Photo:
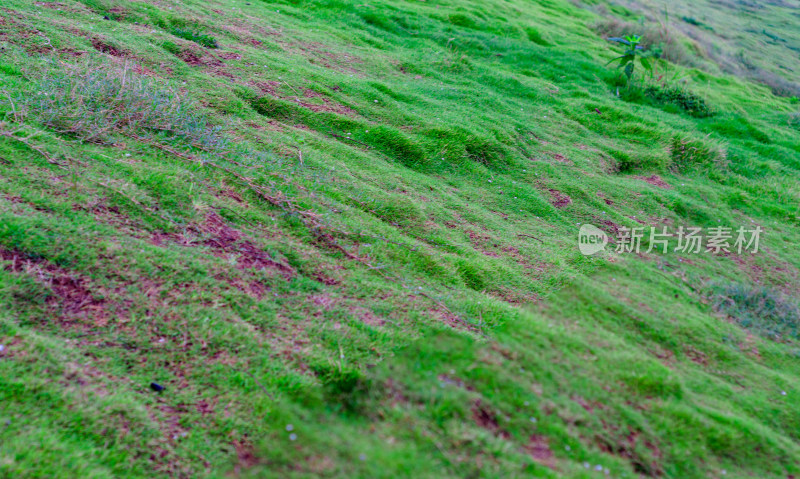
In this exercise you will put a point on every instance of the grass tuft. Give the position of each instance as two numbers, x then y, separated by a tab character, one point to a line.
687	153
91	102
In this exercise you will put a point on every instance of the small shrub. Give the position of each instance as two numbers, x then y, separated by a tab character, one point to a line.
756	308
194	36
675	95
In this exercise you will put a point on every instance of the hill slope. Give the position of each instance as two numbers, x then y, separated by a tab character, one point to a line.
330	238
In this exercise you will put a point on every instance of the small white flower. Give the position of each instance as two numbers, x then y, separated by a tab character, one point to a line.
289	427
292	437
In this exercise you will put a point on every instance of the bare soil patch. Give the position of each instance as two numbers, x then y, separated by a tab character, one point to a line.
559	199
485	418
655	180
229	243
103	47
538	448
74	299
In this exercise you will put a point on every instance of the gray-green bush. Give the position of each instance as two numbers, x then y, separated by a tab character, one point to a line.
760	309
90	102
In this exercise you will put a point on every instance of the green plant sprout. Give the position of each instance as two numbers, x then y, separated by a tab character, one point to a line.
627	60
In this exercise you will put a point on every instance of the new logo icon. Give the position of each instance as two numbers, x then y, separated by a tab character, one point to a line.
591	239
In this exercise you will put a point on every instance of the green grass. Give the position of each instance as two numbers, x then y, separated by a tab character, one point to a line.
344	241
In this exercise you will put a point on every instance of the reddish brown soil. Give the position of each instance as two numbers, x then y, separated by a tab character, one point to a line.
655	180
538	448
559	199
104	47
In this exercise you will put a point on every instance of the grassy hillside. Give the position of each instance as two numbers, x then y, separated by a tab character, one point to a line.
328	238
